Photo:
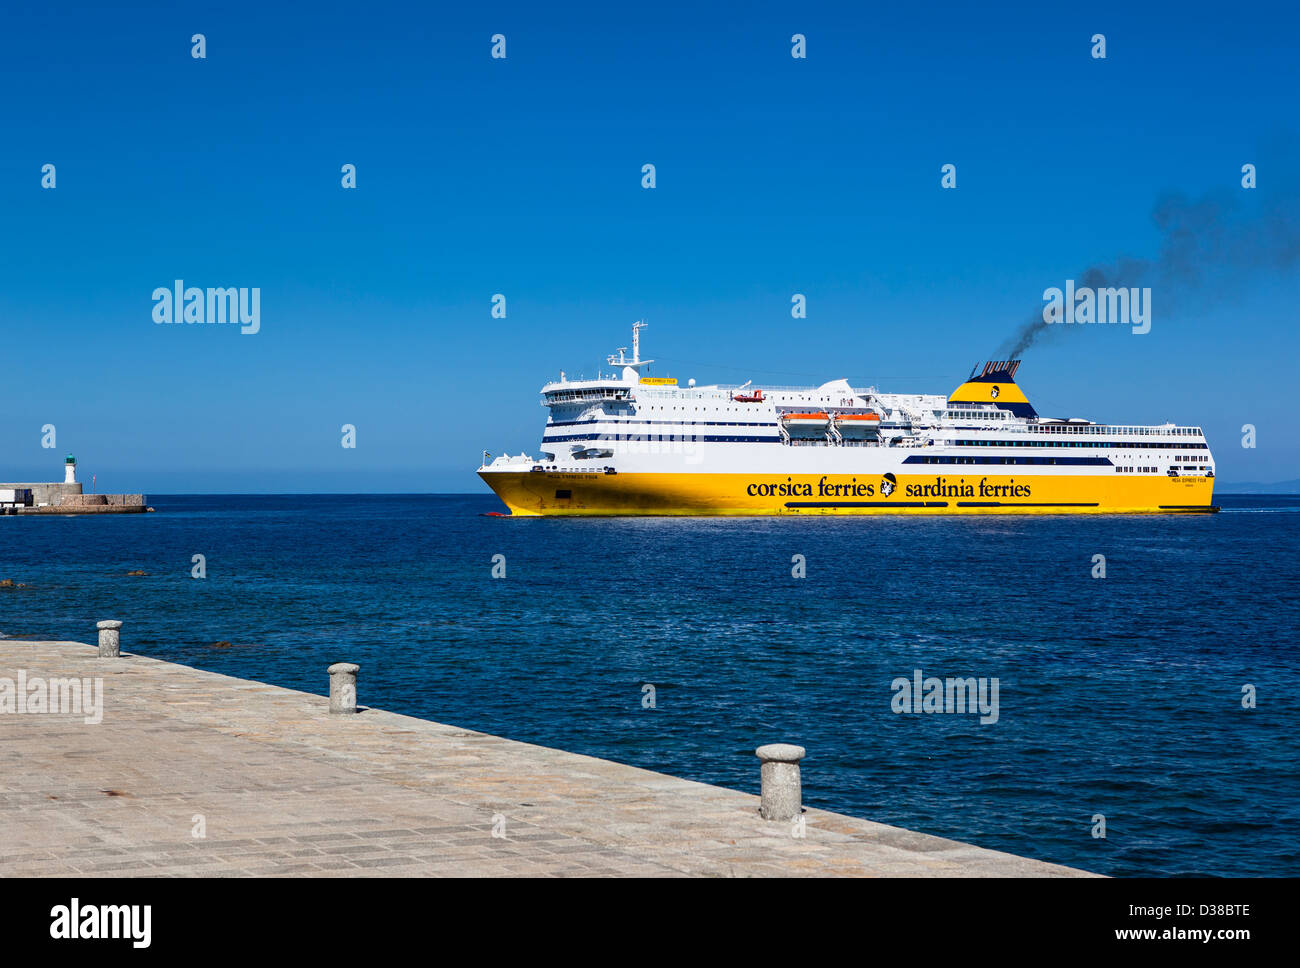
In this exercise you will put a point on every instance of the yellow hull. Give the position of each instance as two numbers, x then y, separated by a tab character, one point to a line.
555	493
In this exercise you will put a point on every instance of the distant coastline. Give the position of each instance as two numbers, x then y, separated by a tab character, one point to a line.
1253	487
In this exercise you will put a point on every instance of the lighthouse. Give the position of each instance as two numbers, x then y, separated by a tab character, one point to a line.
70	470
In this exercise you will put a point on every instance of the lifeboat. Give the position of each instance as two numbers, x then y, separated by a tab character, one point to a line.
755	397
805	424
857	425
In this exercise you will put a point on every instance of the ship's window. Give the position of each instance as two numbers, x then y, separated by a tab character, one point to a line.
563	495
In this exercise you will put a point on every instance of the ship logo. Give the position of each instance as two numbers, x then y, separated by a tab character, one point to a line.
888	484
993	394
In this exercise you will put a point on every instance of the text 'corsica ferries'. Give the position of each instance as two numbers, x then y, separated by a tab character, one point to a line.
625	443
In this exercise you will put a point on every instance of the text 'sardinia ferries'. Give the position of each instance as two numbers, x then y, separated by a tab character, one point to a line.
626	443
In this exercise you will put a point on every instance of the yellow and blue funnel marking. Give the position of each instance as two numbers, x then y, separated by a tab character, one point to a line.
995	384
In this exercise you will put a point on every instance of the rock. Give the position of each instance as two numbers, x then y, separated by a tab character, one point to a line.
142	574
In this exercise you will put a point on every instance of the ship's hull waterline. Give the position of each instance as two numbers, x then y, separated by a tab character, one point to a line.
544	493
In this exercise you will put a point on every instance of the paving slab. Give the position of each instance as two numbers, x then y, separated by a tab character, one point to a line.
279	787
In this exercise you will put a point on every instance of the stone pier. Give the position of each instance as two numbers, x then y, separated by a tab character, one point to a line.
191	773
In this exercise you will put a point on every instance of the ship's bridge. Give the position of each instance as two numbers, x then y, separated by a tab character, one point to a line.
605	388
584	391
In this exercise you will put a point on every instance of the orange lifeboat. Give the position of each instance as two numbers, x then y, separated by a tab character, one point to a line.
805	424
857	425
755	397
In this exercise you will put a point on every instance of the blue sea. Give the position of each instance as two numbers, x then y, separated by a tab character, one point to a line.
1120	696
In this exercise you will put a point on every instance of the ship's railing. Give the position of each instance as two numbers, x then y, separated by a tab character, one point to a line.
773	388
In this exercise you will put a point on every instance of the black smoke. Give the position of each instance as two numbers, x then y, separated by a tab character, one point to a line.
1210	247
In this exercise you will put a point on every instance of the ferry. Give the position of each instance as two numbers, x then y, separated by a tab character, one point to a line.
630	444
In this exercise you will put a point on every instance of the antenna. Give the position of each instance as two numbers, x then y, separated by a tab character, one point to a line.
636	339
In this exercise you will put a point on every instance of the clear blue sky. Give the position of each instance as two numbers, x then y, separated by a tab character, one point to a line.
522	176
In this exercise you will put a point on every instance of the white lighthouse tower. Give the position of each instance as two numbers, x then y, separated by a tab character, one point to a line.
70	470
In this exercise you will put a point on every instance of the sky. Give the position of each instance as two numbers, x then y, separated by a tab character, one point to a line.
523	176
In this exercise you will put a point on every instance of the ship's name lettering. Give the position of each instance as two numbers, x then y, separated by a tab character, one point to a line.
791	488
943	487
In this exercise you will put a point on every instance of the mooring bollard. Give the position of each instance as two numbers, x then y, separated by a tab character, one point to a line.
110	639
343	687
782	797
